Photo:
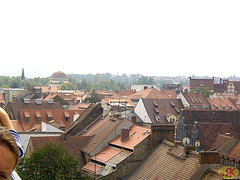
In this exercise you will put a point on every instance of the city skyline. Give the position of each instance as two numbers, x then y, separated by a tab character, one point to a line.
157	38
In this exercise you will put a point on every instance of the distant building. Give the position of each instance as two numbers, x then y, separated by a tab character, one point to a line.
57	79
196	83
137	88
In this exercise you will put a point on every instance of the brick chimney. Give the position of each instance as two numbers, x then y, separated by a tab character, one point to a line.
160	132
63	136
124	134
134	119
208	157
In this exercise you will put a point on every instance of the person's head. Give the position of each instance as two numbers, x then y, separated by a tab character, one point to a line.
8	153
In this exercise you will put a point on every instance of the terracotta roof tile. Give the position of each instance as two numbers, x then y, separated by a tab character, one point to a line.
222	104
136	135
195	83
150	94
44	115
196	100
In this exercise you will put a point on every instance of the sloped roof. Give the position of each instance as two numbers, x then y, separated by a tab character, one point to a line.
208	132
58	115
160	108
125	92
220	141
99	131
136	135
93	112
171	93
167	162
222	104
13	109
73	144
196	99
151	93
195	83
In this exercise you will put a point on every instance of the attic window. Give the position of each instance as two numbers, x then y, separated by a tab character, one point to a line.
155	104
38	116
49	115
157	118
67	116
156	111
172	104
27	116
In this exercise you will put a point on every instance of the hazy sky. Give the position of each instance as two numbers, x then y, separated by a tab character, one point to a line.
162	37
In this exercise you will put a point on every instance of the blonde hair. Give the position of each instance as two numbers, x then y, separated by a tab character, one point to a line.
7	140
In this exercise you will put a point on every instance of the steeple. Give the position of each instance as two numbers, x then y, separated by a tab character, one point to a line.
23	76
22	80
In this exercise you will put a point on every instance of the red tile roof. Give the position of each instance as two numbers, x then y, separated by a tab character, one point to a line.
136	135
196	100
195	83
28	117
149	94
225	104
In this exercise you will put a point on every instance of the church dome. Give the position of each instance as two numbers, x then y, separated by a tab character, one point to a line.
58	75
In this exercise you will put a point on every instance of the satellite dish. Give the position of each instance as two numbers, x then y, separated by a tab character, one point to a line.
197	143
186	141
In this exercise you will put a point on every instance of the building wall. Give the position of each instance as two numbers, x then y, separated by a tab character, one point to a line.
125	167
25	136
184	101
140	110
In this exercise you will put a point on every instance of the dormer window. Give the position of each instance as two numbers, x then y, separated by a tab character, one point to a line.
27	116
38	116
67	116
49	115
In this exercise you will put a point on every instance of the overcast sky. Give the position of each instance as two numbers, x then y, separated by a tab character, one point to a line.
162	37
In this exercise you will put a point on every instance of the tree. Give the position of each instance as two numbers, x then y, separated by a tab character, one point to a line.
204	90
144	80
68	86
49	162
93	97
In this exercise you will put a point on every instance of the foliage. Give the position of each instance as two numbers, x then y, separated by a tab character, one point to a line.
68	86
49	162
204	90
14	82
144	80
93	97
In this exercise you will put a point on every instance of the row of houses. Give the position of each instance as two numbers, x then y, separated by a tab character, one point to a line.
149	134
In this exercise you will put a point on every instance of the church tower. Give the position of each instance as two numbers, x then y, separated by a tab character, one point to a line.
22	80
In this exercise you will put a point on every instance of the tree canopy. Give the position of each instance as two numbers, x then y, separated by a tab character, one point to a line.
49	162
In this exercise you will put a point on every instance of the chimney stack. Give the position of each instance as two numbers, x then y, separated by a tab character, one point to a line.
124	134
63	136
160	132
209	157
